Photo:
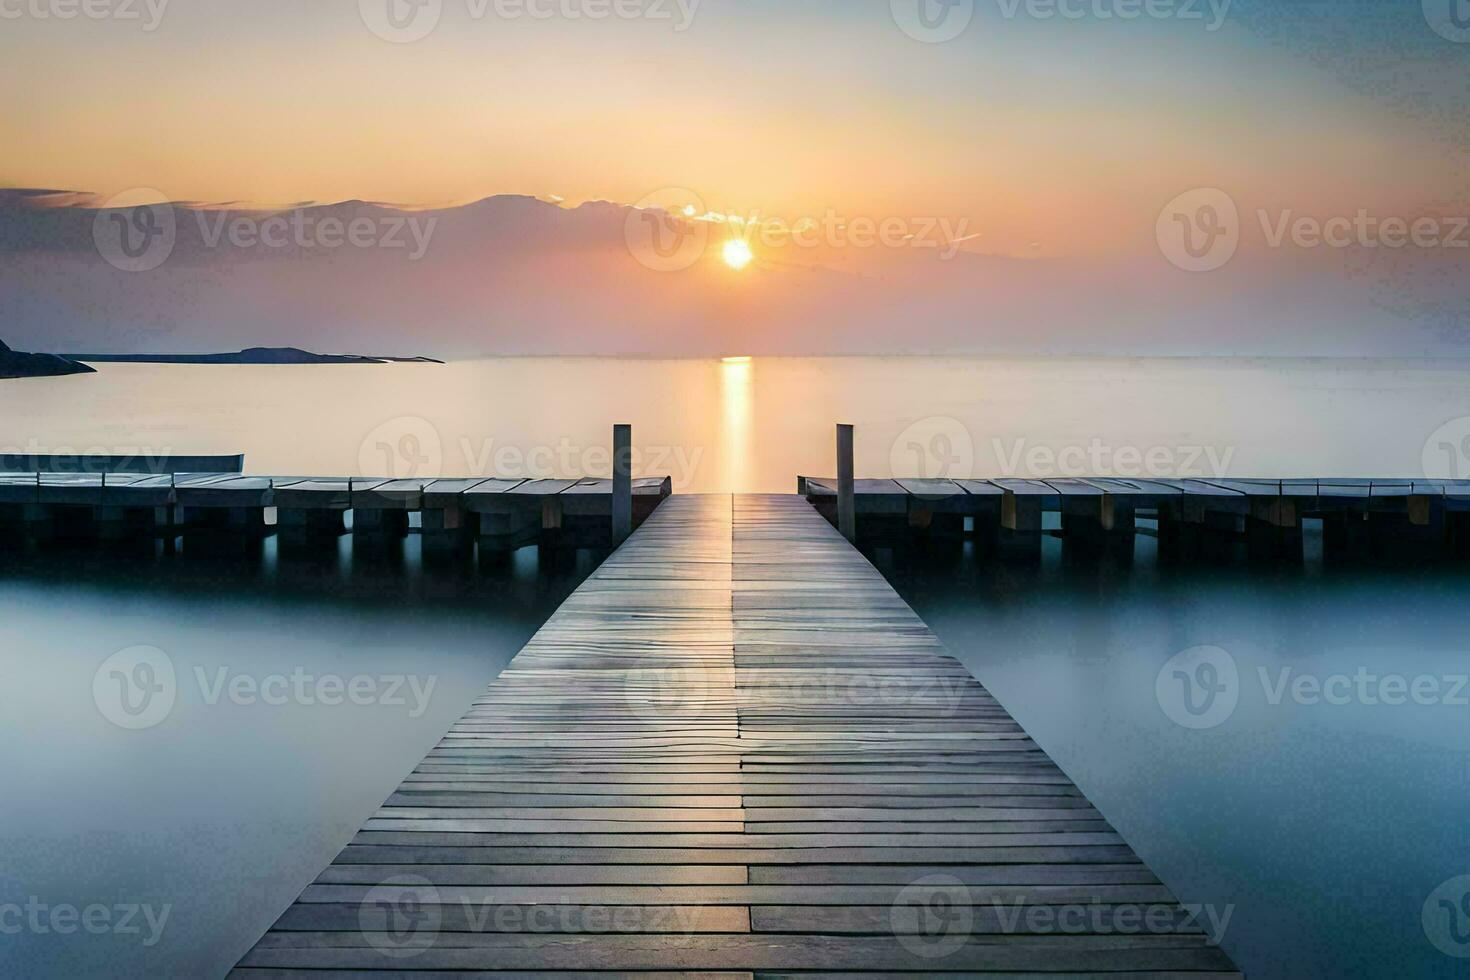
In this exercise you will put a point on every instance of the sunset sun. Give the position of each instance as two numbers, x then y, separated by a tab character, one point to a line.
737	253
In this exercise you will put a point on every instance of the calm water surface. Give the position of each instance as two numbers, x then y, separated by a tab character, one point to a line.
755	425
1324	826
218	815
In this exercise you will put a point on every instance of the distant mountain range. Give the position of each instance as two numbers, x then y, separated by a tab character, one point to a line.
518	275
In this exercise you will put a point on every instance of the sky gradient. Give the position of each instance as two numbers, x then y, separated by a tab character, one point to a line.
1051	136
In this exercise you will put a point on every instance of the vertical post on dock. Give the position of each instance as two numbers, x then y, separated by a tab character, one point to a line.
846	502
622	496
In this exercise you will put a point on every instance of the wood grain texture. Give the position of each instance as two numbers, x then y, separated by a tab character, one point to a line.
736	752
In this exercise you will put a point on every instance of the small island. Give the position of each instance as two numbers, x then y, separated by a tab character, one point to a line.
19	364
251	355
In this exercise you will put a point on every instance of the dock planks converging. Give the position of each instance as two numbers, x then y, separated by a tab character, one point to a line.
736	752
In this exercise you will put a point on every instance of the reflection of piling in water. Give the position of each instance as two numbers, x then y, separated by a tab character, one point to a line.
1195	520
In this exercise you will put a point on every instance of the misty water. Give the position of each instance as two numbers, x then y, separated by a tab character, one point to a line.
198	830
1322	828
1313	823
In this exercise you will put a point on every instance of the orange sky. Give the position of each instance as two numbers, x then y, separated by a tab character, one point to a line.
1045	137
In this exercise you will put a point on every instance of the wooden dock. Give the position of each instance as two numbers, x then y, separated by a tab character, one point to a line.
1361	518
454	514
736	752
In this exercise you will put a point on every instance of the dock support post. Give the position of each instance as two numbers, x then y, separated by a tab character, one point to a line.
1457	533
448	531
1020	527
846	498
622	499
1415	535
124	523
1273	531
379	525
1097	524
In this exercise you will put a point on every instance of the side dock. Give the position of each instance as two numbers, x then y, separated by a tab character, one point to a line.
736	752
231	508
1372	519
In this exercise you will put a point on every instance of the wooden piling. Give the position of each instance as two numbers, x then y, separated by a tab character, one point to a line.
622	496
846	495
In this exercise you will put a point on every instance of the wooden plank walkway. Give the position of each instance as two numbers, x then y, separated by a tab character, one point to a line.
735	752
